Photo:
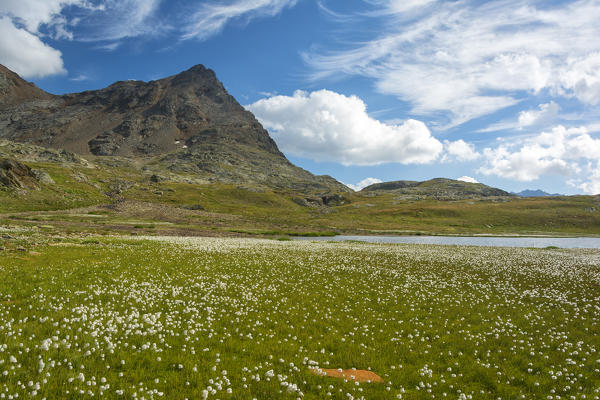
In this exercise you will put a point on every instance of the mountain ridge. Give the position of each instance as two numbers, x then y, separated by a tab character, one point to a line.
186	122
437	188
14	89
536	193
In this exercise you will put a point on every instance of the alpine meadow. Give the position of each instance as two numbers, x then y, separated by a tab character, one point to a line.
297	199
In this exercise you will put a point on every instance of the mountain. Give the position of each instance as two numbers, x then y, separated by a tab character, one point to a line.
186	124
14	90
438	188
535	193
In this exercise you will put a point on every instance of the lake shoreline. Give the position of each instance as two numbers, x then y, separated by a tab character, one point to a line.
582	242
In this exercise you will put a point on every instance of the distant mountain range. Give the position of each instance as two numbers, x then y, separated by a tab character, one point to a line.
535	193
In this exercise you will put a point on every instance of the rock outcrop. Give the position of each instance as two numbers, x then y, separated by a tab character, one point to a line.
14	90
16	175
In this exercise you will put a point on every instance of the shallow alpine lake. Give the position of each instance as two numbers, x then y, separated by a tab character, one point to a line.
490	241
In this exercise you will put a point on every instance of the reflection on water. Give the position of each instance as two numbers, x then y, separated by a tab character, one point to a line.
569	243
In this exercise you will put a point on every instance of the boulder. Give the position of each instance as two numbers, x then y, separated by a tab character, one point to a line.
16	175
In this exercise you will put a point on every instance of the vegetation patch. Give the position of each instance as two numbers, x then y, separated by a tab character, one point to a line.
246	318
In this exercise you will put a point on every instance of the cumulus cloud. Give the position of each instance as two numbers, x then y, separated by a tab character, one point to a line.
460	150
468	59
26	54
21	46
328	126
363	184
592	184
544	114
563	152
581	77
212	16
468	179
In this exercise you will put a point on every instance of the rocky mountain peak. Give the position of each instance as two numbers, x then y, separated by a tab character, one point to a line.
188	122
14	89
134	118
198	72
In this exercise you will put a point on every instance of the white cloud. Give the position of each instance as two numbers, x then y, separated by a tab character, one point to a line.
460	150
25	24
403	6
363	184
26	54
116	20
467	59
563	152
108	46
467	179
592	185
546	113
212	16
111	21
582	77
80	78
593	127
34	13
21	47
328	126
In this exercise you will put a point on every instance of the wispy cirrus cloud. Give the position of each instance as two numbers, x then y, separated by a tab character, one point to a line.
32	14
114	20
468	59
211	17
108	23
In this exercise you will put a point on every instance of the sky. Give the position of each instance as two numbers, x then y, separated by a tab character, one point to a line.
505	93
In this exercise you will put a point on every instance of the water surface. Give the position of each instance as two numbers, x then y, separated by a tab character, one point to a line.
568	243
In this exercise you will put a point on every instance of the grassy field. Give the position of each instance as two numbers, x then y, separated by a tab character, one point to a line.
243	318
118	196
222	209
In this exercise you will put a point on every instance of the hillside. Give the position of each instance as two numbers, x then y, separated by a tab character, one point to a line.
14	90
438	188
186	123
181	156
59	191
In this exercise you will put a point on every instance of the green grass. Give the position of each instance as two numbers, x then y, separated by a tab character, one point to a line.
171	316
261	211
262	232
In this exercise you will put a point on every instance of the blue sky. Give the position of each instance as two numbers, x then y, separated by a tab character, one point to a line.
502	92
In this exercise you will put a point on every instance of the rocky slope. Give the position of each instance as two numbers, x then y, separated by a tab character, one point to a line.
16	175
438	188
14	90
185	124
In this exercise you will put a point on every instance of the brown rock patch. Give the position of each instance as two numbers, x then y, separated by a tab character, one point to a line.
357	375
